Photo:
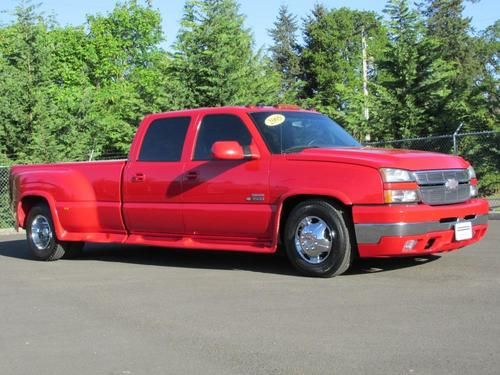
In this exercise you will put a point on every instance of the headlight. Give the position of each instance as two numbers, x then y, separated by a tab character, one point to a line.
401	196
396	175
472	173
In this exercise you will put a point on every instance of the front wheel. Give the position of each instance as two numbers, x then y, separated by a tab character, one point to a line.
317	240
42	239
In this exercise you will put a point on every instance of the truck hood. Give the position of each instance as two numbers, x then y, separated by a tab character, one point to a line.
381	158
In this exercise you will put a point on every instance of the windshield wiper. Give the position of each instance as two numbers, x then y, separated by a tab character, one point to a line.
298	148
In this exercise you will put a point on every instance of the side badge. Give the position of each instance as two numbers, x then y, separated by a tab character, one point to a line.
255	198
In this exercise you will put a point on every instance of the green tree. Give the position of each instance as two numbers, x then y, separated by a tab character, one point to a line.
486	93
125	39
285	54
450	32
411	77
24	75
484	152
65	91
398	76
69	91
445	22
332	63
213	60
10	106
125	61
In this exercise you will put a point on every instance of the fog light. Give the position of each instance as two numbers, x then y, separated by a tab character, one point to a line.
409	245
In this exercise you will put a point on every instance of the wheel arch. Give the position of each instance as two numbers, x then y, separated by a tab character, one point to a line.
290	202
32	199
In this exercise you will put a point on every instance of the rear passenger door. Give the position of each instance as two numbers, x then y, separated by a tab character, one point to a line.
152	184
226	198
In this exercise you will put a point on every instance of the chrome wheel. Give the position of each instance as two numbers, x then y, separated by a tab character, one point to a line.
313	239
41	232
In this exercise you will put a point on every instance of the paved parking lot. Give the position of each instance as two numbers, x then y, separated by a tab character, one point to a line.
154	311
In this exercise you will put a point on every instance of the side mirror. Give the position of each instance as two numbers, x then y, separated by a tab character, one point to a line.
227	150
232	150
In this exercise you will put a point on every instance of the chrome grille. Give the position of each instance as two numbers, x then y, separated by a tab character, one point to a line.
438	187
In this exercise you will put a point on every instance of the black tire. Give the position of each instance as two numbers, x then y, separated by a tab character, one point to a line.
47	247
333	219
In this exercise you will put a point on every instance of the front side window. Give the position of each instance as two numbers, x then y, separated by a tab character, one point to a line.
292	131
164	139
215	128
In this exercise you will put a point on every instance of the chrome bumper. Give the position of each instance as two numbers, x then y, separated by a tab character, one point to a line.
372	233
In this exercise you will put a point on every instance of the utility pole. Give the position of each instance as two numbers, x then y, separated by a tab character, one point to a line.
365	72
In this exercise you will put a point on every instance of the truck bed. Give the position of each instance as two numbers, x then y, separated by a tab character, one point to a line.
76	190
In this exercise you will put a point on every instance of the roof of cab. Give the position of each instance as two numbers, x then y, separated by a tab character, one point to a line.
229	109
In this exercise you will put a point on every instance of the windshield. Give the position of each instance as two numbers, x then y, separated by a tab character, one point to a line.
295	131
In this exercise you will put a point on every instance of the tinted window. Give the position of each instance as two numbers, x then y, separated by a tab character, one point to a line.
295	131
164	139
216	128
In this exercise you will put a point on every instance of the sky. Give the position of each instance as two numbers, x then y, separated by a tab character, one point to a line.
260	14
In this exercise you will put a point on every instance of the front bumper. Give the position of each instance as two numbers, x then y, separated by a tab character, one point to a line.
383	230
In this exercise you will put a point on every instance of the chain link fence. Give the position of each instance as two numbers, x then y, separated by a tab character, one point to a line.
6	219
481	149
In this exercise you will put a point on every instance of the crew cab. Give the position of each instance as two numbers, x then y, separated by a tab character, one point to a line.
254	179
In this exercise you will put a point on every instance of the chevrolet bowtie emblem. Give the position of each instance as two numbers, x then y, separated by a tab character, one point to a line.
451	184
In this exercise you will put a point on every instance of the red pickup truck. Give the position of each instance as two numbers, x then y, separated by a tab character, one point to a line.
254	179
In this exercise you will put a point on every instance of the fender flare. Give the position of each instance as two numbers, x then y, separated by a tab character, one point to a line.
320	193
60	232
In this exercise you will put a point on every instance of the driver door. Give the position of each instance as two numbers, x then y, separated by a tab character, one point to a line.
226	198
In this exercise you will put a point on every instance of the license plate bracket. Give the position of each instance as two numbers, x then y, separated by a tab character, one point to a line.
463	231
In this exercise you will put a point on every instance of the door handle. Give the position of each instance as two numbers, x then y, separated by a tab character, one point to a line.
192	175
139	177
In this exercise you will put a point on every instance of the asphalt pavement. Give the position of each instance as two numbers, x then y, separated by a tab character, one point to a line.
132	310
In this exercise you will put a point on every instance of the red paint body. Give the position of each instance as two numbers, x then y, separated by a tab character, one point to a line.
206	205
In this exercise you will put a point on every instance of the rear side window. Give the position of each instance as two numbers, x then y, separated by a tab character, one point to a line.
215	128
164	139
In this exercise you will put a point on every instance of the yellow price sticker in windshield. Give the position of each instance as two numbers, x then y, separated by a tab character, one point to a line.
274	120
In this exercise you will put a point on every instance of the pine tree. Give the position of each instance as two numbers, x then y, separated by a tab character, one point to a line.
445	22
486	98
399	71
449	31
332	63
213	59
285	53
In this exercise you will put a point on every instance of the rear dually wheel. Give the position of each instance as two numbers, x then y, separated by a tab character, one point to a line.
42	239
